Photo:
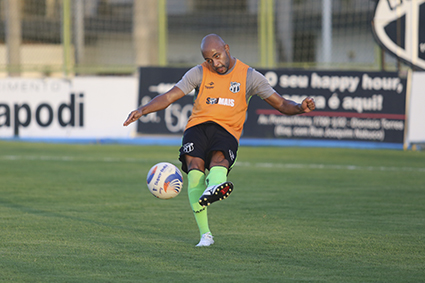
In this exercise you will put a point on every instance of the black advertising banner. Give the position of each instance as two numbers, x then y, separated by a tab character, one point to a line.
352	106
173	120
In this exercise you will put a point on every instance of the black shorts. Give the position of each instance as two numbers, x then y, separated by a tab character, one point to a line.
201	140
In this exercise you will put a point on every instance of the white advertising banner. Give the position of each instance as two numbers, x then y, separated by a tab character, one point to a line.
416	120
86	107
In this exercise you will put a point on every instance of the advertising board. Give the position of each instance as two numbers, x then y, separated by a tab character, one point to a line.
354	106
85	107
416	132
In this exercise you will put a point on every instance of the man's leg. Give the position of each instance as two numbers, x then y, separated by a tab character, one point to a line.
218	169
195	188
217	186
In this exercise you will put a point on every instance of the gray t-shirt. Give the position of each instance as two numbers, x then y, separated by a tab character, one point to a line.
256	83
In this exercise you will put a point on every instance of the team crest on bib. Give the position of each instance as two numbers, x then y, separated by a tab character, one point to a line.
235	87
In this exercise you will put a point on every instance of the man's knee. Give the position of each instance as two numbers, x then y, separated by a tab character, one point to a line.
218	159
195	163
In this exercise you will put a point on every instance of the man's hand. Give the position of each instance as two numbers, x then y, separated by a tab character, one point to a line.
308	105
133	117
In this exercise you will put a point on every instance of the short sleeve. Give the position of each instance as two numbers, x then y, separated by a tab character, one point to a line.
257	84
191	80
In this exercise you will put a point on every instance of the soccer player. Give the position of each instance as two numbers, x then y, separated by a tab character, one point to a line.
224	86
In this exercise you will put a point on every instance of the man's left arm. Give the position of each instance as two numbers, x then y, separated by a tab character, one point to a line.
289	107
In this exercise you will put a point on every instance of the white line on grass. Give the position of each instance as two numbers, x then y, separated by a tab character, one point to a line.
329	166
238	164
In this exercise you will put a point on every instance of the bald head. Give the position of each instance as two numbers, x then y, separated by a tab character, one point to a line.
217	53
211	41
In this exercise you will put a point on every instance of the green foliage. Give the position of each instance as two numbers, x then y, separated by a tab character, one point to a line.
82	213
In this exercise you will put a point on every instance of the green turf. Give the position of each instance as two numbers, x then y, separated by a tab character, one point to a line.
82	213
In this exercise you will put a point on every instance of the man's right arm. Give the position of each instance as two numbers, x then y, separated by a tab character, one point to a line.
190	80
159	102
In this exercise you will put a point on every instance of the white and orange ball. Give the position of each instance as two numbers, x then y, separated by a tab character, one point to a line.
164	180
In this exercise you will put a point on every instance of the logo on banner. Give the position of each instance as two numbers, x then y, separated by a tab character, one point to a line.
399	26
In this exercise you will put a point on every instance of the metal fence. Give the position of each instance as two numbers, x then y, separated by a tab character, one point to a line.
97	37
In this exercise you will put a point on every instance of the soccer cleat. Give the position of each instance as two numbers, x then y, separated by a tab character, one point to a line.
206	240
215	193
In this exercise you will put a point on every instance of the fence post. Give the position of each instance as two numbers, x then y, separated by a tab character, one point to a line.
13	37
270	34
262	33
327	31
145	32
266	33
66	36
162	32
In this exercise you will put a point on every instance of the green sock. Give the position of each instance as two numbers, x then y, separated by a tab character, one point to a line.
217	175
195	188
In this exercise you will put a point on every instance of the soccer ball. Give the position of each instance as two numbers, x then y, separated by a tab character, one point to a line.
164	180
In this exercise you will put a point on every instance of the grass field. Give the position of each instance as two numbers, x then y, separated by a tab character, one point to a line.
82	213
